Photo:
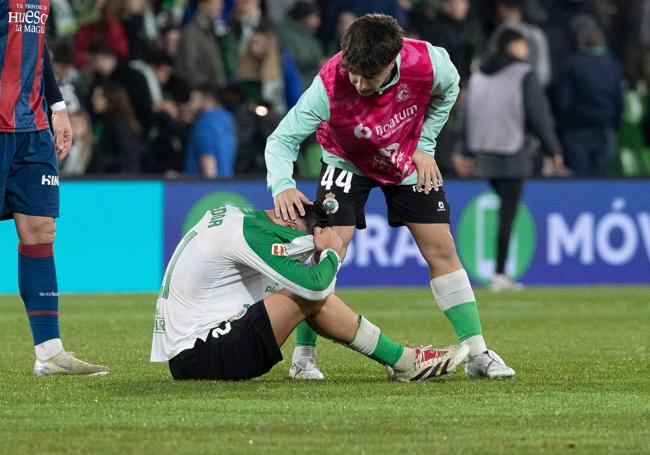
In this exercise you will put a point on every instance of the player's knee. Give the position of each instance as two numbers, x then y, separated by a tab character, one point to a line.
443	249
38	232
312	306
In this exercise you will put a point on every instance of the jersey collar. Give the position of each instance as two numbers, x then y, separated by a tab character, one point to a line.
392	81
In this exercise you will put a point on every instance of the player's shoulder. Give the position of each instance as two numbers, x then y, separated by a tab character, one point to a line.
223	216
258	228
436	52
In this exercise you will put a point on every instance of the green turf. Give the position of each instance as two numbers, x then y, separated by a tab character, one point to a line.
581	355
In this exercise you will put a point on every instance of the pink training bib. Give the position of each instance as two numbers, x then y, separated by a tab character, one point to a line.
378	133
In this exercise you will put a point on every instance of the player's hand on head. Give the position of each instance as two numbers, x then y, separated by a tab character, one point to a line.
290	203
327	238
429	175
62	133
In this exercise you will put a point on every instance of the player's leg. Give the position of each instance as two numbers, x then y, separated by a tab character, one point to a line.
509	192
32	196
335	320
427	217
344	195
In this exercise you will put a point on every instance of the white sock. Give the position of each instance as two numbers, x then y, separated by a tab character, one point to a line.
48	349
303	355
407	361
476	345
367	336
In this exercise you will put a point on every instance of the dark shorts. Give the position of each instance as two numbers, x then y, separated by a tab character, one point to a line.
346	193
29	175
242	348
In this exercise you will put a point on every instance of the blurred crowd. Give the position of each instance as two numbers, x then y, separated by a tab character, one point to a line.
194	87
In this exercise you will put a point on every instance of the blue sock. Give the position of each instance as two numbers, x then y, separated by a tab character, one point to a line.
39	290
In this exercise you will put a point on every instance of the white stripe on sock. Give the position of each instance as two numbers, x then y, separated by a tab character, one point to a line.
367	336
452	289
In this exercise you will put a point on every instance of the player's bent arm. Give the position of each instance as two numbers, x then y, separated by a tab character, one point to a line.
311	283
283	144
443	96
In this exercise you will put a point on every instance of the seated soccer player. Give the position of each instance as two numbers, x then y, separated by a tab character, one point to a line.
236	287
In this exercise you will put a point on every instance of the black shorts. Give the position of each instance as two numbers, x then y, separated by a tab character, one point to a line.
345	194
242	348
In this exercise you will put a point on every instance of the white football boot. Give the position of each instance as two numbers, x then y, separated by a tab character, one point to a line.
303	364
431	363
66	363
502	282
487	365
305	370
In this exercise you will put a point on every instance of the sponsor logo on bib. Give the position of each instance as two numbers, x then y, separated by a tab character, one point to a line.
362	132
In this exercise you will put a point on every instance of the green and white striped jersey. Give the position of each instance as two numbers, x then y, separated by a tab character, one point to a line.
229	260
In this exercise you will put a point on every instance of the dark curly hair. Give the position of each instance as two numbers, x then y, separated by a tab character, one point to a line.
316	216
370	44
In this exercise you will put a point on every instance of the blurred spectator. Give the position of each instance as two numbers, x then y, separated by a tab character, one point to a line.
260	69
63	19
212	145
504	99
119	147
342	24
106	29
255	122
277	10
590	103
558	27
205	51
450	141
246	18
72	85
168	40
333	8
81	151
168	131
139	24
168	137
105	66
449	28
510	15
292	80
298	35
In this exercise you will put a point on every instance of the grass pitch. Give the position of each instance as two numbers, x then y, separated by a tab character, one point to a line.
582	386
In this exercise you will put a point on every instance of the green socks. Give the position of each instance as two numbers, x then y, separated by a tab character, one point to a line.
464	319
454	295
371	342
305	336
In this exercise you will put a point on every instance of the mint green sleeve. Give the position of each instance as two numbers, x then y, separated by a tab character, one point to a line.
283	144
443	96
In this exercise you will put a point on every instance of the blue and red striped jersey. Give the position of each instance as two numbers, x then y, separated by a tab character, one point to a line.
22	41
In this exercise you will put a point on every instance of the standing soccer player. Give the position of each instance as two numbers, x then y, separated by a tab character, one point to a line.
377	107
29	177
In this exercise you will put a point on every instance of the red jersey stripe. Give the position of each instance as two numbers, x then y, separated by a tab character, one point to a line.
35	97
11	74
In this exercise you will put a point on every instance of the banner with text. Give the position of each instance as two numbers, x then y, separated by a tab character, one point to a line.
566	232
